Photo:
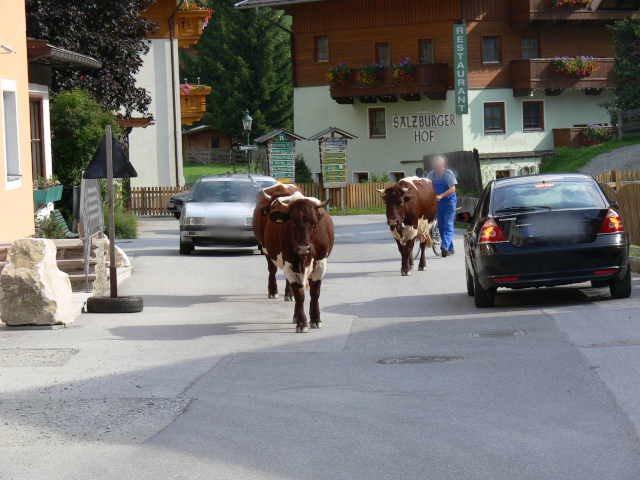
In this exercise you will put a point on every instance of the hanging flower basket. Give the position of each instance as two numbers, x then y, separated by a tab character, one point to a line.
369	73
339	75
570	3
576	67
404	71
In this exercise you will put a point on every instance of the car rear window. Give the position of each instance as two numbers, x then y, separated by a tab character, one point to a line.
224	191
554	195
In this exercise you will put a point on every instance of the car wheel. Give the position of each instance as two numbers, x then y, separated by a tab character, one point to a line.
482	298
621	287
599	283
185	248
470	286
177	215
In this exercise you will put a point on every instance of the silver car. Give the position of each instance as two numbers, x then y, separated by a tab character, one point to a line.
219	211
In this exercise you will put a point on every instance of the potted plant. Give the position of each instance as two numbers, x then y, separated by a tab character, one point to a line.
570	3
578	66
596	134
46	190
404	71
369	73
339	75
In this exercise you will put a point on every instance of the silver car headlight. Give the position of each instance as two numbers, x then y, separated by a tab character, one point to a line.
248	221
194	221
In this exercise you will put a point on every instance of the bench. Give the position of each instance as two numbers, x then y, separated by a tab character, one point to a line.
63	225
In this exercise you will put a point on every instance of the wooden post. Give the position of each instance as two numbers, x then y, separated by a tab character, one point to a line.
342	198
617	179
620	120
113	273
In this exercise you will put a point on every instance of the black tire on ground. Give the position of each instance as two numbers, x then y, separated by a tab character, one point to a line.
114	305
470	286
185	248
482	298
621	287
599	283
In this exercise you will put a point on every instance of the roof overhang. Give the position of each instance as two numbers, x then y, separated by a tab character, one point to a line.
135	122
271	3
41	52
332	132
278	131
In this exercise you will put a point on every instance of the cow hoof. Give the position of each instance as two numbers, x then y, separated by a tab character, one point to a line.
316	324
405	274
422	269
288	298
302	329
273	295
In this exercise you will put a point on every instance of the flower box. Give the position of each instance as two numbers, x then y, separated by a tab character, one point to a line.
189	26
193	104
52	194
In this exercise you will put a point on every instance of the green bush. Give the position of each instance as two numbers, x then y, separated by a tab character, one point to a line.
303	173
126	223
48	227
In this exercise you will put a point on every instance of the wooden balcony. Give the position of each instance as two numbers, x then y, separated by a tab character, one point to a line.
430	79
193	105
528	11
540	73
189	26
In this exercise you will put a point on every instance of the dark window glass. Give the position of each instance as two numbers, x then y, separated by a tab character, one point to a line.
427	54
377	124
530	47
557	195
532	115
322	49
490	49
383	56
494	118
37	154
215	143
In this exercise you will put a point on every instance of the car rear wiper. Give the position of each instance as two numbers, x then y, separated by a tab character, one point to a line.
522	208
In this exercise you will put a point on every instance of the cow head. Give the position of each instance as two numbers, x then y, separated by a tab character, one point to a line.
302	215
395	199
266	196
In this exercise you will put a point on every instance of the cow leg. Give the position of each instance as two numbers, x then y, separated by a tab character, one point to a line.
302	326
422	266
406	255
314	309
288	294
273	285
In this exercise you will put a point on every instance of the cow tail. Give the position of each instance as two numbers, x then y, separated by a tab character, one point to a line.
429	240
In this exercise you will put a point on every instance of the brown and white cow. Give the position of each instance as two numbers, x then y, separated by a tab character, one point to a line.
298	238
264	199
411	209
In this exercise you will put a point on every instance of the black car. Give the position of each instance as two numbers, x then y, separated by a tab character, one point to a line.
542	231
176	202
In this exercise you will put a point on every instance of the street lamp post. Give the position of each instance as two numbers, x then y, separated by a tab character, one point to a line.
246	123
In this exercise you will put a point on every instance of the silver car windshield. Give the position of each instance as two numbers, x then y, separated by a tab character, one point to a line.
224	191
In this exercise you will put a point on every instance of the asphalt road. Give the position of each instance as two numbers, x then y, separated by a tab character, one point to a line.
406	379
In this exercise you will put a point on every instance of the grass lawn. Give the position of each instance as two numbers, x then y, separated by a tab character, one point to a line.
567	160
193	171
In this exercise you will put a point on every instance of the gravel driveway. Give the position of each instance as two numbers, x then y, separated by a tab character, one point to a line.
623	158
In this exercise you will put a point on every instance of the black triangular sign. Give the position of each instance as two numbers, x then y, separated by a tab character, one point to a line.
122	167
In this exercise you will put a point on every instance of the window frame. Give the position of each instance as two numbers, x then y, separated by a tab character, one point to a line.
370	123
542	117
538	45
12	179
38	100
355	175
499	50
377	53
503	106
421	49
316	50
394	178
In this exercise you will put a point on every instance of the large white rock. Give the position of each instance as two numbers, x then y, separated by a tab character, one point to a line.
35	292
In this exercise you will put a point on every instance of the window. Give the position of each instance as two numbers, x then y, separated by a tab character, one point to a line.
215	143
10	131
360	177
533	115
530	47
491	50
37	151
383	56
322	49
377	123
396	176
494	121
317	177
427	54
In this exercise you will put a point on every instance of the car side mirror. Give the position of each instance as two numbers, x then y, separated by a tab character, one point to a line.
615	205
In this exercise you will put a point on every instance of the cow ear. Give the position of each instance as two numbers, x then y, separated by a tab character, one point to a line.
408	197
279	217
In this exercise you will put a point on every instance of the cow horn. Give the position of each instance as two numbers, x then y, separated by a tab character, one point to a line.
380	190
324	204
406	190
268	197
280	202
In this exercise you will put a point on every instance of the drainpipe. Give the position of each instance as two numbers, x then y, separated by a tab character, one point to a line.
173	91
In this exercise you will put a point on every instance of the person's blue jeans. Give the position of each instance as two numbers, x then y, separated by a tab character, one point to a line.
446	216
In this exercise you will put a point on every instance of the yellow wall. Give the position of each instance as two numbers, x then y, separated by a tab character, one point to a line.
16	204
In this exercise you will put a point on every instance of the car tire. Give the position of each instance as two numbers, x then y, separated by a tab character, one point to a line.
470	286
185	248
114	305
482	298
177	215
621	287
599	283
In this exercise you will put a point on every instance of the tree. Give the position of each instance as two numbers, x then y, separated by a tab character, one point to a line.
77	127
626	73
247	61
112	32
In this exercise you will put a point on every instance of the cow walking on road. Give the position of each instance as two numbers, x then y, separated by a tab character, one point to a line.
298	238
264	200
411	209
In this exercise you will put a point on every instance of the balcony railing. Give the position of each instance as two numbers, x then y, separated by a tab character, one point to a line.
525	11
189	26
193	104
430	79
541	73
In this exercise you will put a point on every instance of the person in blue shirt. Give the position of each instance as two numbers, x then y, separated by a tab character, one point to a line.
444	183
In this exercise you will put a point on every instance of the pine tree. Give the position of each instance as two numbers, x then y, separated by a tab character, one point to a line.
247	61
626	67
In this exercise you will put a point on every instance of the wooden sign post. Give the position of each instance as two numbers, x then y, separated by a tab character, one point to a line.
281	152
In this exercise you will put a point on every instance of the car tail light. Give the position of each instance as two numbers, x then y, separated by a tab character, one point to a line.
491	233
605	272
612	223
507	279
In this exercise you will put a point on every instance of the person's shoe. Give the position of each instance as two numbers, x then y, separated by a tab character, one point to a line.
444	252
450	252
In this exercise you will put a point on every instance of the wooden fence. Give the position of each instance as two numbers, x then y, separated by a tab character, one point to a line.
625	115
153	200
617	177
624	187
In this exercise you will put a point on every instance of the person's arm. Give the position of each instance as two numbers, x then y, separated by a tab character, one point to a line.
451	190
452	182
